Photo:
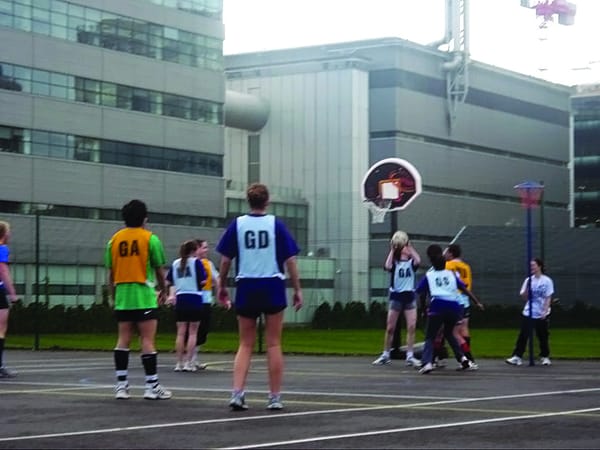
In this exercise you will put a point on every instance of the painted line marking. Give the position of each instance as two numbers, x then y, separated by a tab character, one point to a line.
323	412
420	428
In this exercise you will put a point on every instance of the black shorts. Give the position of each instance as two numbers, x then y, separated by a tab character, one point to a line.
254	297
3	299
466	312
135	315
192	314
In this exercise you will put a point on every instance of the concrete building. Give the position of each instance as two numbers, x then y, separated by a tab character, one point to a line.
103	102
586	135
336	109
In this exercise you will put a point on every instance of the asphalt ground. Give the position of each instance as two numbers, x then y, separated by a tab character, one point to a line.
66	400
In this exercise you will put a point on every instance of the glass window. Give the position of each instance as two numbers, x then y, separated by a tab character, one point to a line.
41	27
93	16
109	94
58	79
6	20
124	95
59	32
23	11
59	91
76	11
40	88
6	7
42	15
58	19
59	6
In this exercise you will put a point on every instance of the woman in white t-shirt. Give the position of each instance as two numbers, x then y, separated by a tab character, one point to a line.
542	289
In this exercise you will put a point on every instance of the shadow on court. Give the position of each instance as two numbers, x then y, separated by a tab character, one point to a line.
66	400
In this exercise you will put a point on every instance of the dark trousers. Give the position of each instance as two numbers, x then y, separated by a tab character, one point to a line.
541	330
447	320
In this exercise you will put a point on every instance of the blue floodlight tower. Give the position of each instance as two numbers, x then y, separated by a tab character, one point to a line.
530	193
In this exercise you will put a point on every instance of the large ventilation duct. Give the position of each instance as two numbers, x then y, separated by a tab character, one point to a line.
245	111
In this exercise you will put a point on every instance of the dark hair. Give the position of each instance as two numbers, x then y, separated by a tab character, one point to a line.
436	257
134	213
540	263
455	250
186	249
199	242
257	196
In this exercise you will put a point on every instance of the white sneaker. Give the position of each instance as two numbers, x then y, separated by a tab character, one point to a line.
200	366
122	391
382	360
189	367
157	392
414	362
514	361
546	361
178	367
426	369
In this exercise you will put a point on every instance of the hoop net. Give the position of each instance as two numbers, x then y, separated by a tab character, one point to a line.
378	212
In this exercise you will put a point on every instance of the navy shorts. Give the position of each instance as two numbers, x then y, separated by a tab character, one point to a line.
198	314
256	296
135	315
403	301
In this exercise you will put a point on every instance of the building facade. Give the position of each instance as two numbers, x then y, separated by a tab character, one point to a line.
337	109
586	138
103	102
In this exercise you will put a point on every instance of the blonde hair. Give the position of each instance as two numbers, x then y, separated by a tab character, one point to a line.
4	229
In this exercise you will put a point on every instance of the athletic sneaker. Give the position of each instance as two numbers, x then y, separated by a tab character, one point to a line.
426	369
514	361
189	367
382	360
122	391
7	373
439	363
412	361
178	367
238	402
546	361
467	365
200	366
157	392
275	402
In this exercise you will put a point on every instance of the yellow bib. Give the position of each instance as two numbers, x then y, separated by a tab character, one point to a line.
129	251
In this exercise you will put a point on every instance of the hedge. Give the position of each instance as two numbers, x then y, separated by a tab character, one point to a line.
99	318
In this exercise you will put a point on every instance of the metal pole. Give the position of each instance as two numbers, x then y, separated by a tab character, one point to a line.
529	293
542	230
36	313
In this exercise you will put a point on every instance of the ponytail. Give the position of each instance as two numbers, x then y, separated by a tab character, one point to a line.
185	251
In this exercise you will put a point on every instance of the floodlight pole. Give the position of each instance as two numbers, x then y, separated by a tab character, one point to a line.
530	193
36	314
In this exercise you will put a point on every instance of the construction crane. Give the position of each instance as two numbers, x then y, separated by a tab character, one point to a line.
548	9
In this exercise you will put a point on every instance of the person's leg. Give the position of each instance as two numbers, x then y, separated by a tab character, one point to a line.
203	329
450	318
3	329
121	358
410	315
154	390
390	329
522	338
182	329
4	312
273	329
395	352
434	323
241	363
541	329
191	342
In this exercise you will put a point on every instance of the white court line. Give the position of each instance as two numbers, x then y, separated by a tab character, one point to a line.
420	428
310	413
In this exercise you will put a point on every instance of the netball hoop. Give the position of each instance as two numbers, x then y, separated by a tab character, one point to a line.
390	185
